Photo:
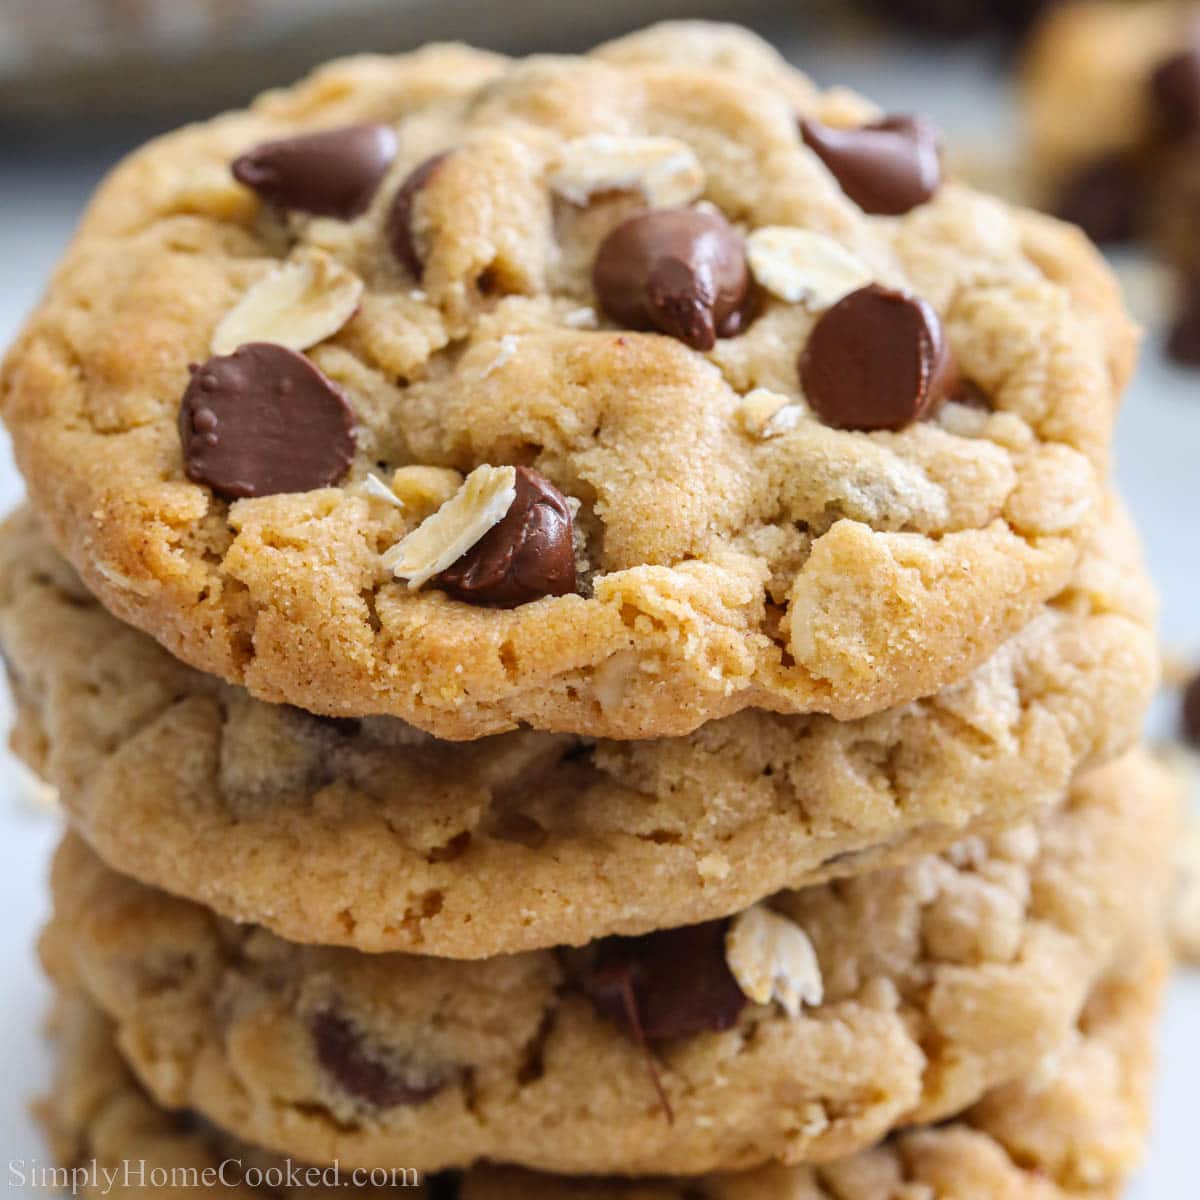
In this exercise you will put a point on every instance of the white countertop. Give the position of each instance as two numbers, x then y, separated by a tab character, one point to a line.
42	187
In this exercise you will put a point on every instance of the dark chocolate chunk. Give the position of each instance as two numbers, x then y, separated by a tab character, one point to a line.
1105	199
400	215
878	359
1189	712
886	167
669	984
264	420
342	1053
333	173
528	554
1183	341
680	271
1175	89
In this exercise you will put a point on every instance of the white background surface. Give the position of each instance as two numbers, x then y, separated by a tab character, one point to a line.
43	183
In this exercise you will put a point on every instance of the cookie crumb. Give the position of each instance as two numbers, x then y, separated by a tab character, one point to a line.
758	409
582	318
713	867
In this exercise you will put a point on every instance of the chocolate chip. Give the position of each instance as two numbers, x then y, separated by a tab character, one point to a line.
528	554
342	1053
680	271
1190	712
264	420
400	215
1175	89
333	173
1104	199
1183	342
886	167
878	359
669	984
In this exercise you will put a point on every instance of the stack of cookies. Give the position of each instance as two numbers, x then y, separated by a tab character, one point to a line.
598	657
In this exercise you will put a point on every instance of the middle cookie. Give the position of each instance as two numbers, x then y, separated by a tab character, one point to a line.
373	835
803	1030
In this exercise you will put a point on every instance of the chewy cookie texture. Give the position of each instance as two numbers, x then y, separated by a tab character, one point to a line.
1072	1130
530	839
482	392
802	1030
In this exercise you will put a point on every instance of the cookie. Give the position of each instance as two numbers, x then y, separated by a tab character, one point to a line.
527	839
802	1030
1074	1129
482	392
1109	50
1129	167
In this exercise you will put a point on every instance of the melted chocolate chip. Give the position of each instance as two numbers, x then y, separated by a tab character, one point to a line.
887	167
1183	342
400	215
333	173
264	420
342	1053
680	271
878	359
528	554
1189	712
1104	199
669	984
1175	90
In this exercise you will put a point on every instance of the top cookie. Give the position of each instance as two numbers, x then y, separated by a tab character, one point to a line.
606	394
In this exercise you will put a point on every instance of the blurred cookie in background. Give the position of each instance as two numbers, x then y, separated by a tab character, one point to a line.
1111	97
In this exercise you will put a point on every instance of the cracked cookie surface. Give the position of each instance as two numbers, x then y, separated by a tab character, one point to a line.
530	839
1074	1129
733	549
925	987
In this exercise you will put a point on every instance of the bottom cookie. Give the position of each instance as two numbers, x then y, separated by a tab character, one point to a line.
1073	1129
803	1032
